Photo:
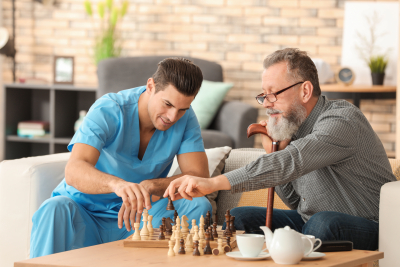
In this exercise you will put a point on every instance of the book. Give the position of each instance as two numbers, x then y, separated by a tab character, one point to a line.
34	125
30	132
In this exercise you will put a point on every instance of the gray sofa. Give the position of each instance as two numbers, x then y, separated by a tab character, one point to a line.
228	127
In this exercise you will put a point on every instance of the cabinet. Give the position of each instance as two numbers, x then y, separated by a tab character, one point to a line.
57	104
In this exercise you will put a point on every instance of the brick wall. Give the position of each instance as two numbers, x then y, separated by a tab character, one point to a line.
238	34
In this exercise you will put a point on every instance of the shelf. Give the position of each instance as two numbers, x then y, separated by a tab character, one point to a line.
62	140
16	138
357	88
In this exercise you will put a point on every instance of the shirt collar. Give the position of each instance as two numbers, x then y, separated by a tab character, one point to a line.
307	126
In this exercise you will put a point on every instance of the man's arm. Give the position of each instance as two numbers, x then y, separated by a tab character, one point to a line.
194	163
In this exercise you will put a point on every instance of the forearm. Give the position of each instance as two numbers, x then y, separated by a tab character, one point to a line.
87	179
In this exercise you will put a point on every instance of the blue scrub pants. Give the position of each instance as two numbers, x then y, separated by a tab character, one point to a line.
61	224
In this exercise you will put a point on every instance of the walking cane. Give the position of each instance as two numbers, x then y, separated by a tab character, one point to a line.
253	129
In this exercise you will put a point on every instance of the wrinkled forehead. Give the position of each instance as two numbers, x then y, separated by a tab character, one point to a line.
275	77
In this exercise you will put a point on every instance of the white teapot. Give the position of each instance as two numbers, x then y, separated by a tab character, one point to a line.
286	245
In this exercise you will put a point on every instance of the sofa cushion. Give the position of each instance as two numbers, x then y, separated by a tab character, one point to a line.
395	164
208	100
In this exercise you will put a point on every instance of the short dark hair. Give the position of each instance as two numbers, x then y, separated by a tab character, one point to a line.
182	73
300	67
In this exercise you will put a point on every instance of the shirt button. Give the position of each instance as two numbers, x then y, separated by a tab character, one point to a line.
304	199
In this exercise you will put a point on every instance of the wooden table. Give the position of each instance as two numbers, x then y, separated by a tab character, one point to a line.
115	254
358	92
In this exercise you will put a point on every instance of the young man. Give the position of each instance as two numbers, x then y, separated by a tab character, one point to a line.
329	168
120	157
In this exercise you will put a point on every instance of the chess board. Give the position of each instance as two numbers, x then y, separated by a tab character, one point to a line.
153	242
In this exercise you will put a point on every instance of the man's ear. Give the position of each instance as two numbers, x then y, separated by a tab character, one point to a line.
150	86
306	91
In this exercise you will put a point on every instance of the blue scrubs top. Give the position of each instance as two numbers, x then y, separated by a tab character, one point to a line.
112	127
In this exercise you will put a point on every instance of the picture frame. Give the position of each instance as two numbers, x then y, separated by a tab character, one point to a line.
63	70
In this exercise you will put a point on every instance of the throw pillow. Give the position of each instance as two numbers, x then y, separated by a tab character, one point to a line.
216	164
208	100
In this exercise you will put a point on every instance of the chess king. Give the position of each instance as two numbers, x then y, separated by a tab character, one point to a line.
329	167
121	155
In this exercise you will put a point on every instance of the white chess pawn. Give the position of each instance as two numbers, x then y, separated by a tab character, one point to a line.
193	224
136	235
171	248
220	248
196	233
177	245
201	228
144	233
189	243
150	225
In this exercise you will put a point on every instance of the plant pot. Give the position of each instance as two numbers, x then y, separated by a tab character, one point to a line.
377	78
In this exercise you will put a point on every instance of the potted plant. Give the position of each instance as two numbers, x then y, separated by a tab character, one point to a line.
377	65
108	41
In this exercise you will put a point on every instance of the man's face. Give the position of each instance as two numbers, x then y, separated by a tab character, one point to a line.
167	106
287	113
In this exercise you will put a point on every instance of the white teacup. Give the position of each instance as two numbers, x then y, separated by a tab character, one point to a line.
307	244
250	245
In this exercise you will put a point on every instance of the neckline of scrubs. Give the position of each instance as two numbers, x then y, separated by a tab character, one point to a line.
136	142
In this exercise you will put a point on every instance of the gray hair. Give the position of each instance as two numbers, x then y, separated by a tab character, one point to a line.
300	67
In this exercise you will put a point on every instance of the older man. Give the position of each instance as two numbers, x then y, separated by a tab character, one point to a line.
329	168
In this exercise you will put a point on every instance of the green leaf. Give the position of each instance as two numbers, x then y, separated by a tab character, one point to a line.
114	16
109	4
377	64
100	9
124	8
88	7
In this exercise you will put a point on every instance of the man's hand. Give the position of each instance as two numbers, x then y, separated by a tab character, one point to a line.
134	197
267	141
191	186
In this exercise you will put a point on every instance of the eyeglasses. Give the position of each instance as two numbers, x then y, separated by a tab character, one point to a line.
272	97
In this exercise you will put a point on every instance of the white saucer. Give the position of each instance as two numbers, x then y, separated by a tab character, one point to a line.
238	256
313	256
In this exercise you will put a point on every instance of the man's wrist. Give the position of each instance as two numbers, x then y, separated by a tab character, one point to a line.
221	182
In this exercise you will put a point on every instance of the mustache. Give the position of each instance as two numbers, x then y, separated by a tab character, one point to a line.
273	111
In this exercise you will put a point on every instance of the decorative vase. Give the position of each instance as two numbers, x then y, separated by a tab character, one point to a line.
377	78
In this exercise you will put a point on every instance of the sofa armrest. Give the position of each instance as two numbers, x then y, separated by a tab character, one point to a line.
233	118
24	185
389	224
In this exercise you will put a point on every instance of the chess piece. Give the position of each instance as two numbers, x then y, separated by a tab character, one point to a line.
185	226
177	233
220	246
150	225
144	233
193	224
182	248
228	224
178	223
170	205
136	235
196	236
215	233
232	226
228	244
189	243
201	227
201	250
161	236
168	226
207	249
211	235
175	216
216	252
173	233
171	250
196	251
163	224
208	220
176	247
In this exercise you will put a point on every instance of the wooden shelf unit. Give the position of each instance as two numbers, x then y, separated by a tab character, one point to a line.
57	104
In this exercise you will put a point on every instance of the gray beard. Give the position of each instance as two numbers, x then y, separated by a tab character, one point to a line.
284	128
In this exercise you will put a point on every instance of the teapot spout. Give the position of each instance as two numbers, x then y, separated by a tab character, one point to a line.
268	235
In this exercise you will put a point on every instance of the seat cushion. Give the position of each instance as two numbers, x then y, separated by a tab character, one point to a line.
214	138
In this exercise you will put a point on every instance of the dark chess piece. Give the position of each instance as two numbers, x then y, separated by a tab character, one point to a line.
182	247
208	219
161	236
232	225
211	235
196	251
215	233
168	226
207	249
170	205
175	216
215	252
228	224
228	244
